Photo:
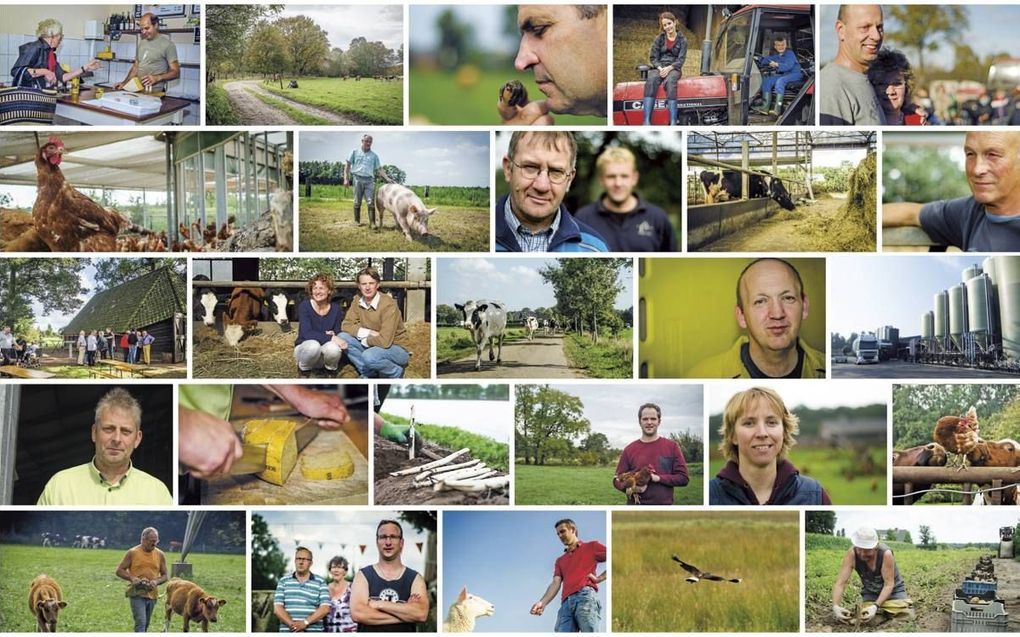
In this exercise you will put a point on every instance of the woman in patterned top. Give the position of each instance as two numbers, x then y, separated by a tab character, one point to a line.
339	619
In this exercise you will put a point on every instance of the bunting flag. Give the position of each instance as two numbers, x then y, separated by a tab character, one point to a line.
419	545
362	548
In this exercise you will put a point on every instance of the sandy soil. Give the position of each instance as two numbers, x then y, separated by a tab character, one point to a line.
390	456
252	111
540	358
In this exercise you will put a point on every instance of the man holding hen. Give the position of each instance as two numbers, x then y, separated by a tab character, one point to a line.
667	467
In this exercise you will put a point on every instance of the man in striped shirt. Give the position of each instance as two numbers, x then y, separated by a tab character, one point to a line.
302	599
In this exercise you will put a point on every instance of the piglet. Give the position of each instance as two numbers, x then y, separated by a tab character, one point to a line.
409	213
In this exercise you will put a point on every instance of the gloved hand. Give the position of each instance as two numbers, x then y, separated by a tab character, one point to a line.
867	614
394	432
839	613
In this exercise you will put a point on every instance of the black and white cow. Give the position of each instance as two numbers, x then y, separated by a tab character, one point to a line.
283	306
727	186
204	302
486	320
778	192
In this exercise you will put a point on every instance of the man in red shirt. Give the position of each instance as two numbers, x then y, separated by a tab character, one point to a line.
669	469
580	610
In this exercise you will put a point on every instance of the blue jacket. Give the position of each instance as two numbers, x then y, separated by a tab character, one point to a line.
787	61
571	236
791	488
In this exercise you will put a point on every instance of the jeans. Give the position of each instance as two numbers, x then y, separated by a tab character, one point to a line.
376	362
364	187
313	355
141	610
132	353
779	82
579	613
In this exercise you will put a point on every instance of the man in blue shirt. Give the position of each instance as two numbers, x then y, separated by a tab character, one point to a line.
539	166
302	598
364	165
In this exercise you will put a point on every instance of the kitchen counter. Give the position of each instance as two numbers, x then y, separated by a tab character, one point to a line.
172	111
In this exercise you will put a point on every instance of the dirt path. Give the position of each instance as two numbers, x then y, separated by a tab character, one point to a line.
252	111
782	232
1007	572
540	358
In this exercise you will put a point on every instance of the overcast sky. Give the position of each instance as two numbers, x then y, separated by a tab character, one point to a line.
831	393
952	524
453	158
343	23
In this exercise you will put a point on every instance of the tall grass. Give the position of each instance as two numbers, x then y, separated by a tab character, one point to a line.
649	592
612	357
217	107
95	596
575	485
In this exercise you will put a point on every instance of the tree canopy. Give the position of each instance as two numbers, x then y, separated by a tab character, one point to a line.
55	284
547	421
586	290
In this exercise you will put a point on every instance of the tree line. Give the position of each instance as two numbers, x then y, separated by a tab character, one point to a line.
550	428
450	392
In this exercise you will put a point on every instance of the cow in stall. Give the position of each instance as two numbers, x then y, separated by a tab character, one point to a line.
531	326
282	305
486	320
244	309
779	194
204	302
727	186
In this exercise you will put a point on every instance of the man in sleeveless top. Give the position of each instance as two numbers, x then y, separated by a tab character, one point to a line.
144	566
388	597
882	587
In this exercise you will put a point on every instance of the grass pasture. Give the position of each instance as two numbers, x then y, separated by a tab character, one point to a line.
470	96
329	227
296	114
930	577
613	357
374	101
829	466
649	592
576	485
95	596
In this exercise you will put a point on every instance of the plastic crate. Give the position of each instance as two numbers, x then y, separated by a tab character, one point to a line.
987	596
978	618
971	587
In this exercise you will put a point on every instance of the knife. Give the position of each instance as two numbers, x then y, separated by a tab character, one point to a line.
253	457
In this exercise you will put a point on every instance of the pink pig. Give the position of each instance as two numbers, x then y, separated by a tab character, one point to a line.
407	208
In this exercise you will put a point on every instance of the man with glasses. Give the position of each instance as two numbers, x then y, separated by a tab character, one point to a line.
539	167
302	598
144	566
388	597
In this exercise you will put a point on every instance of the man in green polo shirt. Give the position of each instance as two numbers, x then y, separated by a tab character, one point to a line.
109	478
156	60
302	598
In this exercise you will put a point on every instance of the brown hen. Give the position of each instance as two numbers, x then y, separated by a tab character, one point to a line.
637	478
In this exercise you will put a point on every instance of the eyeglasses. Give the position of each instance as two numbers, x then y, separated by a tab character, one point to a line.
531	171
383	538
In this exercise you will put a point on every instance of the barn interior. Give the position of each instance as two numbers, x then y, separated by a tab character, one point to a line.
738	222
47	428
173	185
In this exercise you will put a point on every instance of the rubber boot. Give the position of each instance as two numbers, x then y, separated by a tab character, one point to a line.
766	103
778	106
648	103
671	104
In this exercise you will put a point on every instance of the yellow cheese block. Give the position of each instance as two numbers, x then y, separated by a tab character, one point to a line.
334	465
281	446
135	85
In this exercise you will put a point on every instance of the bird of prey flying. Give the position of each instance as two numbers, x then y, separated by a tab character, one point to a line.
698	575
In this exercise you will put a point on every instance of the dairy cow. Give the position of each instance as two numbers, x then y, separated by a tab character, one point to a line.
531	325
727	186
779	194
279	303
486	320
408	211
244	309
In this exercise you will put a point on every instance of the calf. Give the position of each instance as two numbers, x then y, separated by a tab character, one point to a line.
244	308
531	325
45	599
997	453
407	209
190	602
486	320
929	455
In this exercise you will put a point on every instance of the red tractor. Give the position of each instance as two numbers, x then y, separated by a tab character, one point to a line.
729	88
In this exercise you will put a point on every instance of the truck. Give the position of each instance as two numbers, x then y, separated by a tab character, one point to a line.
729	86
866	348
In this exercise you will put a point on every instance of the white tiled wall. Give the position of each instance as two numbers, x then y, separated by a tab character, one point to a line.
77	52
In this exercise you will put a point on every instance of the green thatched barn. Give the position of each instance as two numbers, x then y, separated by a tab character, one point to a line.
156	302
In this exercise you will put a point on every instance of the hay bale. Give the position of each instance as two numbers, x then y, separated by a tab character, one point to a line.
634	30
853	228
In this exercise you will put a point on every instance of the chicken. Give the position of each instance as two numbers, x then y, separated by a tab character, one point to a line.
635	479
958	434
65	219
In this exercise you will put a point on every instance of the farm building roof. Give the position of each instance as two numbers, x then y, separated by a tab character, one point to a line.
140	302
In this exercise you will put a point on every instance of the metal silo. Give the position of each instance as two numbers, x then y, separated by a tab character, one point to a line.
988	265
980	314
941	314
957	314
970	272
928	325
1007	279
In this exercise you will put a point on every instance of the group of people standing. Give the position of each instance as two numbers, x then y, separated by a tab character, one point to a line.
136	346
15	350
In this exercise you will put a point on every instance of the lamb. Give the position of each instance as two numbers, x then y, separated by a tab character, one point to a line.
45	599
462	614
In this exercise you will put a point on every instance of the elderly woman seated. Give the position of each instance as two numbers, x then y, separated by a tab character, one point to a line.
318	343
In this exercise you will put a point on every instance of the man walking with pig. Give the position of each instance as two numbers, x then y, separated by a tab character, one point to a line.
364	165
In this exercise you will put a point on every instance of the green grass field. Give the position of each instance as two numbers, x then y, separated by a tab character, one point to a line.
95	596
563	485
649	592
613	357
494	454
438	98
930	577
374	101
330	227
438	196
828	467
